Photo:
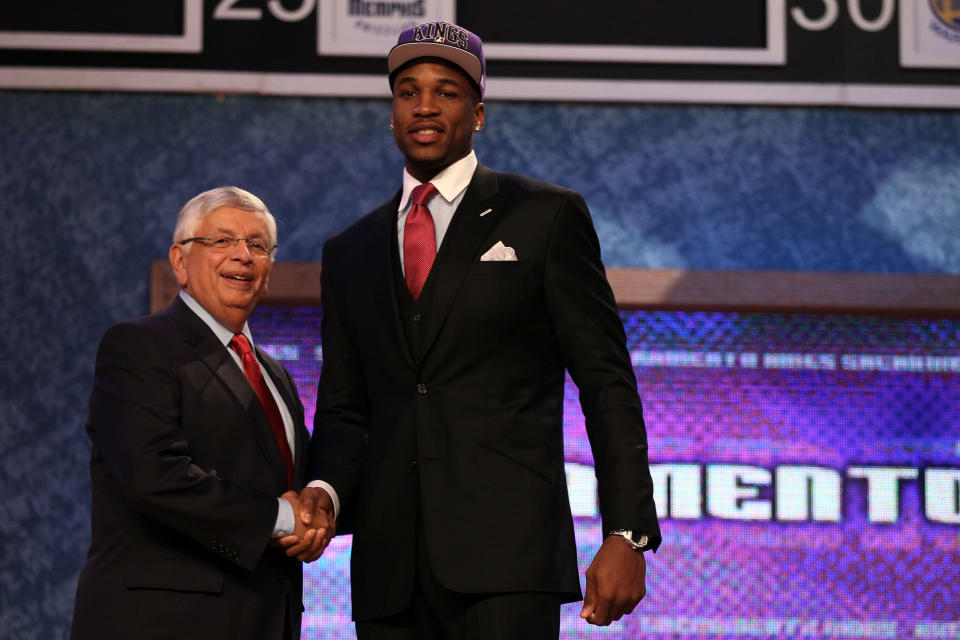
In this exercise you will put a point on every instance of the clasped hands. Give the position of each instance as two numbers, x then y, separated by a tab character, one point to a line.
313	511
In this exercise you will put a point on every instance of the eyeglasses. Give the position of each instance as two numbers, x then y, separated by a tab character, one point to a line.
257	248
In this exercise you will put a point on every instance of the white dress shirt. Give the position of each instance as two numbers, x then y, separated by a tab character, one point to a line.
451	183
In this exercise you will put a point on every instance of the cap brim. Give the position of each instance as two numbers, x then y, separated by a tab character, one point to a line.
404	53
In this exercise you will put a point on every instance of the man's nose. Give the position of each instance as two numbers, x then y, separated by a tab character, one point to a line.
427	105
241	251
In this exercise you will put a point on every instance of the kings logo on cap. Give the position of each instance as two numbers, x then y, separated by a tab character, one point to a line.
441	33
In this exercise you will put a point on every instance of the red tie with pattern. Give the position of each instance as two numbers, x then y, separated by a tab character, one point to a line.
419	239
252	368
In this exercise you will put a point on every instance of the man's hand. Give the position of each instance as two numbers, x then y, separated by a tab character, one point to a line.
315	501
315	526
616	582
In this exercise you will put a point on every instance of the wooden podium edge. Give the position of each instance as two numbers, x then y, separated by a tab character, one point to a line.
936	295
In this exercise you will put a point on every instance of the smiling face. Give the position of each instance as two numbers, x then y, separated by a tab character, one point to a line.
226	282
436	109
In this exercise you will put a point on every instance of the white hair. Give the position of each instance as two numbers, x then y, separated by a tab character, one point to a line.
202	205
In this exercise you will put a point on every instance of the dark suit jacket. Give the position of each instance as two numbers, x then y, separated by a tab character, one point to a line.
463	400
185	475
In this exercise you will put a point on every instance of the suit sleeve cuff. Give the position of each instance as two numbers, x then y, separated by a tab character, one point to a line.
330	490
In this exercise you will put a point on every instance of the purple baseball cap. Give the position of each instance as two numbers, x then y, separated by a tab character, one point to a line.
441	40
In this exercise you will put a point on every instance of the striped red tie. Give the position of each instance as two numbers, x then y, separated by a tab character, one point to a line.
419	239
252	369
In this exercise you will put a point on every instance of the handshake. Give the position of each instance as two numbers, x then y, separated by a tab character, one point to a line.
315	524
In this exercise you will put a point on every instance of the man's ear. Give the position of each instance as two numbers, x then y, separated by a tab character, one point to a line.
178	258
479	115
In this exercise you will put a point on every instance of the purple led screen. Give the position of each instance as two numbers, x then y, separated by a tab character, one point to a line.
807	473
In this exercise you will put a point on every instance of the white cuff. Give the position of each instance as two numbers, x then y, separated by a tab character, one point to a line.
286	523
333	494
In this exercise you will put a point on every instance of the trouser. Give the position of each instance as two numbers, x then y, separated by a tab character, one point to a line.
437	613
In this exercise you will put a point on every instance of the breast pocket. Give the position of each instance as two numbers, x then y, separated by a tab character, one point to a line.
501	307
500	287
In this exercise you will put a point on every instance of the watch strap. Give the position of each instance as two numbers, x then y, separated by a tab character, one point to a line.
638	541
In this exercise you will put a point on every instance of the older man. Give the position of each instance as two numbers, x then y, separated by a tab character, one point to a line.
195	434
449	316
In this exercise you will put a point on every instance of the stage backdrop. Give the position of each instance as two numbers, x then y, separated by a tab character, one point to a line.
805	466
91	184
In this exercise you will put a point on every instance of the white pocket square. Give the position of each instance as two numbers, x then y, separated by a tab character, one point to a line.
499	253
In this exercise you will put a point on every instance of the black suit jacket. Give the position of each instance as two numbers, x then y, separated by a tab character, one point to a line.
185	475
463	400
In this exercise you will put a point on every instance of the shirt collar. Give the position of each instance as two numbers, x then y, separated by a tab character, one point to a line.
450	182
223	334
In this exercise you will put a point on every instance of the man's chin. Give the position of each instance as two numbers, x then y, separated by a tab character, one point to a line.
241	304
427	164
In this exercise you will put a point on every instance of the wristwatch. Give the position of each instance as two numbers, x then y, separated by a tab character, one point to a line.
638	541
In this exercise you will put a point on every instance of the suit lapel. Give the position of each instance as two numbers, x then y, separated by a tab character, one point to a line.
212	353
461	246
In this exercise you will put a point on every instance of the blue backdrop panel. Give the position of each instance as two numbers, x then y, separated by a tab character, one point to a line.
91	185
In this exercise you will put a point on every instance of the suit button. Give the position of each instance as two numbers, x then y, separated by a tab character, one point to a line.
421	388
413	463
416	317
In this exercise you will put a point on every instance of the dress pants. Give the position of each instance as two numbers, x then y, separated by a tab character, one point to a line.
437	613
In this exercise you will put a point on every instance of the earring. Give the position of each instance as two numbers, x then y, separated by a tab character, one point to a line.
391	126
476	128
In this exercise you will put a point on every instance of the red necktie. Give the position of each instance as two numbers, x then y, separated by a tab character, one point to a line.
419	239
252	368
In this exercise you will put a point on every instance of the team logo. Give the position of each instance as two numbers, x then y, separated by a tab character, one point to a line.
948	12
441	33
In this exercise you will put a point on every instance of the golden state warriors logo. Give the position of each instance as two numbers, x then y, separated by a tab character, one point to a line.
948	11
